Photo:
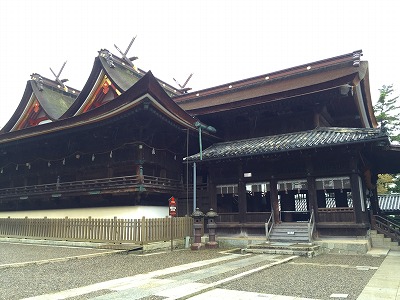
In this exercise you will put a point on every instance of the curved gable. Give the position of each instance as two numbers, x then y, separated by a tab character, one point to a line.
43	101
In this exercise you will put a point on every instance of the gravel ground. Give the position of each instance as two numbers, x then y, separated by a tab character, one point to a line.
19	252
318	277
33	280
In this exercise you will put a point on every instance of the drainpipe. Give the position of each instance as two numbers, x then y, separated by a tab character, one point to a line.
200	126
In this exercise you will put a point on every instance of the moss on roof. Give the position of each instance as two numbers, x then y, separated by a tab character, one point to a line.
54	101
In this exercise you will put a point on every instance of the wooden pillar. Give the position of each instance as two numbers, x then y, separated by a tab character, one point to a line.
357	195
274	201
356	191
312	196
110	171
242	195
374	197
139	163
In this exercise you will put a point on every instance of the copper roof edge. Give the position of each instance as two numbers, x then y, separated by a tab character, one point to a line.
345	58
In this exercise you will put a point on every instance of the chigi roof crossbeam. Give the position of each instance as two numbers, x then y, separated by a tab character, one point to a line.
123	54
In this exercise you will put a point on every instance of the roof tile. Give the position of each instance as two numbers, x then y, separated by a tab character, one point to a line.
319	137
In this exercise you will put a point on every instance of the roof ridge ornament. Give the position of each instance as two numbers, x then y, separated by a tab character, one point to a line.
108	57
39	80
125	58
60	81
357	58
183	89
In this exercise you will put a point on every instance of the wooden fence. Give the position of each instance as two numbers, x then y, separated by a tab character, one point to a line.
140	231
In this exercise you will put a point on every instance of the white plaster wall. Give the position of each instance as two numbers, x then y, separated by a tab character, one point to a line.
121	212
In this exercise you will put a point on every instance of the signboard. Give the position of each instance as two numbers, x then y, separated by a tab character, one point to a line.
172	206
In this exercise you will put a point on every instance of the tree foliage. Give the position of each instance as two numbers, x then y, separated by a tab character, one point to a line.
387	112
384	183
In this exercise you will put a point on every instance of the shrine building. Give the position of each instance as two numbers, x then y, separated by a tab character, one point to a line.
286	146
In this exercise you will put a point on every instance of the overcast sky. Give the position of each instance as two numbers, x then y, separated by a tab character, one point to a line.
218	41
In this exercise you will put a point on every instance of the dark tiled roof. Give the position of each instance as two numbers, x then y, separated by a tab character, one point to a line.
389	202
319	137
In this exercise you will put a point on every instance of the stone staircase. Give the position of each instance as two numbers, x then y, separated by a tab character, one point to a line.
290	232
379	240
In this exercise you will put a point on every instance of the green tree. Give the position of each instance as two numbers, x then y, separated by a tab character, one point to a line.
385	181
387	113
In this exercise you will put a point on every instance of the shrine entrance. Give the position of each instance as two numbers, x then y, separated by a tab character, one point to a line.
293	201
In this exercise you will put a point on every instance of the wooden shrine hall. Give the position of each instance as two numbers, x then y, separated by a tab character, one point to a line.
289	146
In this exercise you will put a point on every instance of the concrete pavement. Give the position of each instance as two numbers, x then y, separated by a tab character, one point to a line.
385	284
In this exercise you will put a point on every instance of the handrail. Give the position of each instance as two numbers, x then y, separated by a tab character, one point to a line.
267	228
311	226
383	225
92	184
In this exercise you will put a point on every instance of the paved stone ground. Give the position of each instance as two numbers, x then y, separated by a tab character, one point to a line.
316	278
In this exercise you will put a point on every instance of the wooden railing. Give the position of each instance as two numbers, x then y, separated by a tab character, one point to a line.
269	224
389	228
336	214
139	231
95	186
311	226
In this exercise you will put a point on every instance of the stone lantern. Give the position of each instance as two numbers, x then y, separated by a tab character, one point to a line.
198	218
211	225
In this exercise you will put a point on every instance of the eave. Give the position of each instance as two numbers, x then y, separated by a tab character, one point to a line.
291	142
302	80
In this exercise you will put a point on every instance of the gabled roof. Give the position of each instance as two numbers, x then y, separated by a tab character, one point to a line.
146	92
42	97
316	138
114	72
343	70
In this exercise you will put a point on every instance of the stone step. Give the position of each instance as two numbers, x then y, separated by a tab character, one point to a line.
291	225
304	249
373	232
381	239
287	240
289	236
289	231
393	244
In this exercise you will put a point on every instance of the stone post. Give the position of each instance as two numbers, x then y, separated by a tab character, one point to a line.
212	226
198	218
